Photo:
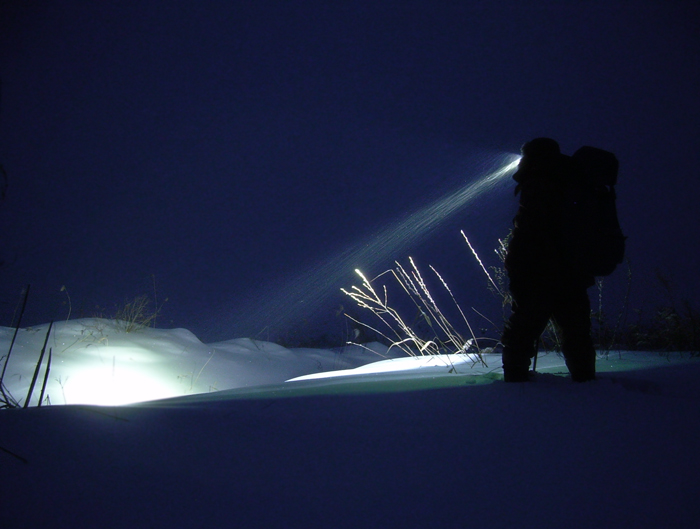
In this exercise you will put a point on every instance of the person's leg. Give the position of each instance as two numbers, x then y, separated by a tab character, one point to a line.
572	314
532	307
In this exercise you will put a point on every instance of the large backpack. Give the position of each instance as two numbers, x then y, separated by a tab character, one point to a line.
592	235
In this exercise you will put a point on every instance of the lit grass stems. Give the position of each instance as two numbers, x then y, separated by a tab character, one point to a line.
445	339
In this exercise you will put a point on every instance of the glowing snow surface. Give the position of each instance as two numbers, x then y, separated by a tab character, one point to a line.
95	361
418	366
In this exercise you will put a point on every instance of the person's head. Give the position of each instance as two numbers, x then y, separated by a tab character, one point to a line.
538	154
541	149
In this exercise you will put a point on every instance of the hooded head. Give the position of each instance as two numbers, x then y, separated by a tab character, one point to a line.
538	154
541	148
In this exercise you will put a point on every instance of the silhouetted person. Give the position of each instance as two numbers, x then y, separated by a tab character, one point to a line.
544	283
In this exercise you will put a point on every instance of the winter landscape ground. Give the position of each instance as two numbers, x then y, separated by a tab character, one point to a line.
227	438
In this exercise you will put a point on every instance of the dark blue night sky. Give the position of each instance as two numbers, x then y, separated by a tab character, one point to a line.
227	148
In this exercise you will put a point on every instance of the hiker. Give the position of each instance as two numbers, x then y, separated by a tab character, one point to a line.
545	282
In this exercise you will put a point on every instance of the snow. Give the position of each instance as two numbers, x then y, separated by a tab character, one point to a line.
95	361
251	434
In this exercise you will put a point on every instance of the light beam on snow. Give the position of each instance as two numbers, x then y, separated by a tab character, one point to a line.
120	375
303	296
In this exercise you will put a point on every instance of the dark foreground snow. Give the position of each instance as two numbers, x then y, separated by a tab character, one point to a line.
618	452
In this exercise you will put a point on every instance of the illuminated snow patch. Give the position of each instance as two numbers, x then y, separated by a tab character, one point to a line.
429	365
94	361
122	375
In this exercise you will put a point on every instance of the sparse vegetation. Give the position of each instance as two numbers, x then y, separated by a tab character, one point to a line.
137	314
445	338
668	330
672	327
6	398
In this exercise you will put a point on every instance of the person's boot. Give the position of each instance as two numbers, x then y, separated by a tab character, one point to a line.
516	357
582	367
516	375
582	376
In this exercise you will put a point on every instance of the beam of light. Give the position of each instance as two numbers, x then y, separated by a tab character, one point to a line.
418	225
302	297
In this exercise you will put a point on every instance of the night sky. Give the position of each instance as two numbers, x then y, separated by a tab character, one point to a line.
225	149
